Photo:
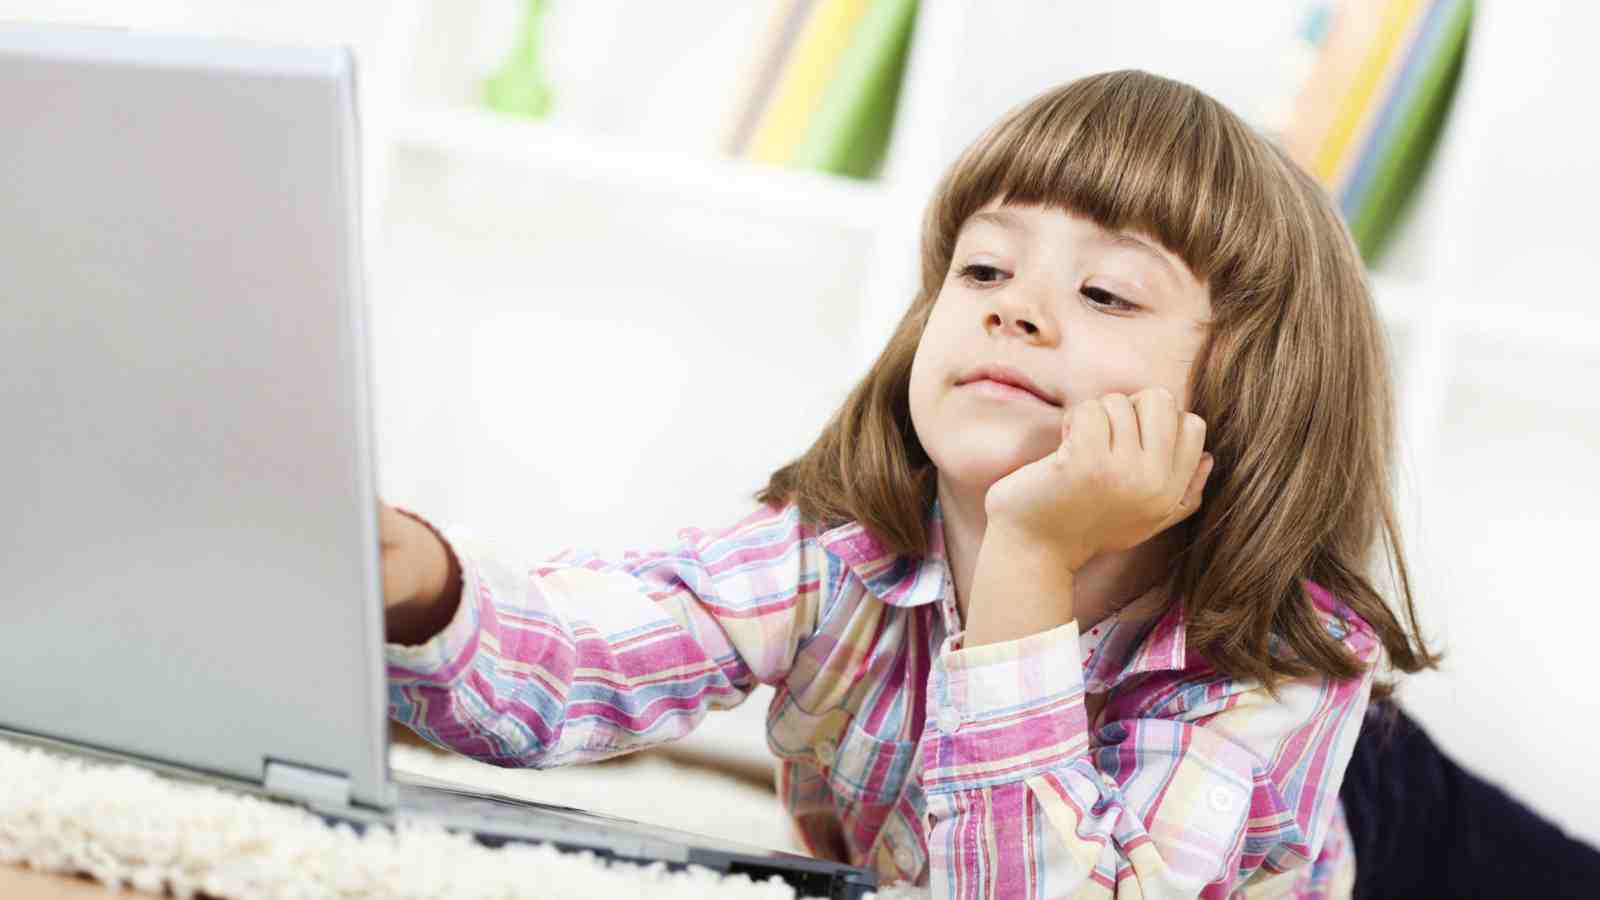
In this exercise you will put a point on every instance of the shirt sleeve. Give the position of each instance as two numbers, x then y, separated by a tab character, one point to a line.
1208	784
575	659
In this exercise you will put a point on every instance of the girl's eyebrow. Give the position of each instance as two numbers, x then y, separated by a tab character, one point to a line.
1004	218
1010	221
1134	242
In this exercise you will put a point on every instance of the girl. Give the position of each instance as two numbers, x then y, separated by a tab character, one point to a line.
1072	596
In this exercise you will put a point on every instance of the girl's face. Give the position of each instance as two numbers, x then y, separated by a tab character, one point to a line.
1048	297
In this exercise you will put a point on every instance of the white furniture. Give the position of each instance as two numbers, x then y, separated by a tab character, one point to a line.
584	342
1485	291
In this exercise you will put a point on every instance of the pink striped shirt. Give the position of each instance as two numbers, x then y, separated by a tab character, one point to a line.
975	771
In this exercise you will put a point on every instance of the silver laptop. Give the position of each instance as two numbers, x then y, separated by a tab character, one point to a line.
190	541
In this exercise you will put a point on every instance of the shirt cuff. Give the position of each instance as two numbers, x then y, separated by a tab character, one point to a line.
1004	712
443	658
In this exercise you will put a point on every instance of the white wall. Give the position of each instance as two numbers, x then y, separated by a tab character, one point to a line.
1501	451
563	367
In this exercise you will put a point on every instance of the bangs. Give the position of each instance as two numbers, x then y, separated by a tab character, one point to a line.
1134	151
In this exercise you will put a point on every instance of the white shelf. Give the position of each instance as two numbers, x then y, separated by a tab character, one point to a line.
1406	304
1491	342
764	190
1548	330
1400	303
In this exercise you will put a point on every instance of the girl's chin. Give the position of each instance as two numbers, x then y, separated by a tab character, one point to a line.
979	474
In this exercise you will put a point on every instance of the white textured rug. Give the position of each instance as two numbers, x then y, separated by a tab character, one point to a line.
127	826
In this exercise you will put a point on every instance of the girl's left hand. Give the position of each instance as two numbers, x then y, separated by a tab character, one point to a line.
1127	470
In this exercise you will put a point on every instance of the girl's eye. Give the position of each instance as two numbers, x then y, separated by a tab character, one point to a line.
1098	297
971	271
1105	299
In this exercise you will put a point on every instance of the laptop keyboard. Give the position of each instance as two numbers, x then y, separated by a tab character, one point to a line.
495	819
454	806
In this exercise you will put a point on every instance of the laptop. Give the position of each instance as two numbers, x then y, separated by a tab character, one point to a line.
191	544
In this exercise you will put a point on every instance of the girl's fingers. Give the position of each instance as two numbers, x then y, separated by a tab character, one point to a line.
1191	444
1124	424
1158	424
1089	431
1066	432
1191	495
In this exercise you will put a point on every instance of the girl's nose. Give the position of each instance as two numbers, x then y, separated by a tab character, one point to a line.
1012	324
1018	316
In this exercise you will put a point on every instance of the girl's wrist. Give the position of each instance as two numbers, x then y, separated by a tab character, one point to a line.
442	568
1020	587
1018	547
426	613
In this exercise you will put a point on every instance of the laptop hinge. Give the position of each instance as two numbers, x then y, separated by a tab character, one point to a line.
318	788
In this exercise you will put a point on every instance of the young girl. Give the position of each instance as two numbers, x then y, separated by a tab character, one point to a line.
1072	596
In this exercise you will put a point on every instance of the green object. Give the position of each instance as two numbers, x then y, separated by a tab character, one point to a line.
519	87
849	133
1401	166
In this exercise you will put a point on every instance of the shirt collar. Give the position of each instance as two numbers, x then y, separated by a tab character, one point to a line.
1147	635
898	580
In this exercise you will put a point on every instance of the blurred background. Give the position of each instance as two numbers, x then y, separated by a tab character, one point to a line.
624	259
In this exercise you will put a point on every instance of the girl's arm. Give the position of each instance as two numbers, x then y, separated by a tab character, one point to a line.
1199	784
576	659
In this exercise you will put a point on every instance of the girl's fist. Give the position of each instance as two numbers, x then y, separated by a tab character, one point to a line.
415	564
421	581
1127	469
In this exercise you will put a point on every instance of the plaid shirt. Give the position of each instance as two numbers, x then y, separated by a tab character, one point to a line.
973	770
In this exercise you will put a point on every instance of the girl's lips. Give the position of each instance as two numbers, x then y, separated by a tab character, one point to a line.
1009	377
1002	391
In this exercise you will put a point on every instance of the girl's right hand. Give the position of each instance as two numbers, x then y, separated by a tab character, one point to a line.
420	586
1126	470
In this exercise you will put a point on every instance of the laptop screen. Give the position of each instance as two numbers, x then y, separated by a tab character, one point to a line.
190	548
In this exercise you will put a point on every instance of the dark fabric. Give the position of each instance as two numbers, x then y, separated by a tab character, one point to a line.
1425	827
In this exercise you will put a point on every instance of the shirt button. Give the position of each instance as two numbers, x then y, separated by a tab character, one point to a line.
1221	799
948	720
905	859
826	752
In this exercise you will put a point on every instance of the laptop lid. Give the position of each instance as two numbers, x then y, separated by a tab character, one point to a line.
190	545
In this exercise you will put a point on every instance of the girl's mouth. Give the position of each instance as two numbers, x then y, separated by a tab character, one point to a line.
991	378
1002	391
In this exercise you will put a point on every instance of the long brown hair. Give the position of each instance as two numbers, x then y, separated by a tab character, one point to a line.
1293	379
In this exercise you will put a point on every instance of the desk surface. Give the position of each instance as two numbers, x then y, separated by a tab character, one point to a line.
27	884
22	883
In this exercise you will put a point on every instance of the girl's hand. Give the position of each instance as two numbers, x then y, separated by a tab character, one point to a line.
1126	470
420	584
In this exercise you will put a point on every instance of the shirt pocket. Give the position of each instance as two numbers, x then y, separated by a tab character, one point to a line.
859	766
865	767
